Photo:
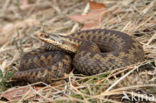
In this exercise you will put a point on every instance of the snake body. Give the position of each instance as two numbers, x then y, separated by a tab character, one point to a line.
94	51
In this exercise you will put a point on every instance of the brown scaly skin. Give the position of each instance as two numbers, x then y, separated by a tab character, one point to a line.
42	65
96	51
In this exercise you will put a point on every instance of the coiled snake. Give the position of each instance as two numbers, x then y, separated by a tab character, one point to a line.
94	51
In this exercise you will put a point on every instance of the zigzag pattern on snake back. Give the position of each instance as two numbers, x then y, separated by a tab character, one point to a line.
95	51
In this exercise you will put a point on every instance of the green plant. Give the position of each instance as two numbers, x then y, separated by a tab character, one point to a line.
3	80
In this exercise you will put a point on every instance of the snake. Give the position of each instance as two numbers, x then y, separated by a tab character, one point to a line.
89	52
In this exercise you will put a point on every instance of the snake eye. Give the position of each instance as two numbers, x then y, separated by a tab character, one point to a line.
43	35
46	35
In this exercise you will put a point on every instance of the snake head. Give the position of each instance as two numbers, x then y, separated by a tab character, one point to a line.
59	40
54	38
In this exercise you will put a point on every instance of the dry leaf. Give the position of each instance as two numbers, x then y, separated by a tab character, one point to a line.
95	6
94	18
17	93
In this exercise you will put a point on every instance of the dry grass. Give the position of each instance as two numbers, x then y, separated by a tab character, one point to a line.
21	20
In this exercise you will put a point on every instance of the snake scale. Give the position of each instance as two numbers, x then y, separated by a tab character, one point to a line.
93	51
